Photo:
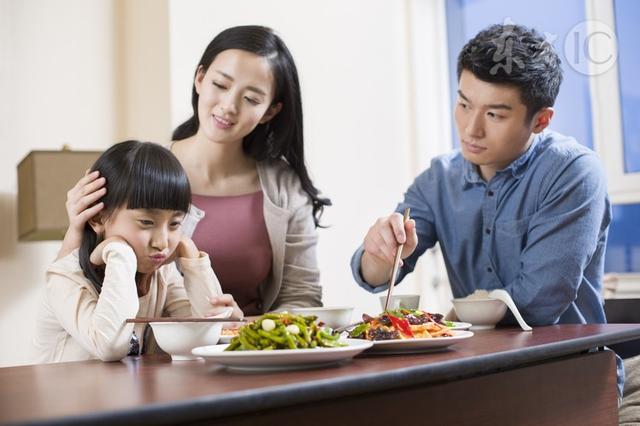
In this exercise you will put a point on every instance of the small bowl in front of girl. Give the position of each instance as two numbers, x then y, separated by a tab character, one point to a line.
179	338
480	310
331	316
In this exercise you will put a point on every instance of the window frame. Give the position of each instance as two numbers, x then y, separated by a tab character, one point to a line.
608	137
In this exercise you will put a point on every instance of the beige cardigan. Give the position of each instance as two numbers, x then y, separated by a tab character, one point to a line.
294	277
74	323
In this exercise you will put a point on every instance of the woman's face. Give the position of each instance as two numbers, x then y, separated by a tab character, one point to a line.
153	234
235	95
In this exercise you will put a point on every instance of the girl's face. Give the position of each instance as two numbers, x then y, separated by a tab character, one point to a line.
235	95
153	234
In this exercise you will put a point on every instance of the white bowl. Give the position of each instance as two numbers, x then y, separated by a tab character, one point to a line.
482	313
331	316
407	301
178	338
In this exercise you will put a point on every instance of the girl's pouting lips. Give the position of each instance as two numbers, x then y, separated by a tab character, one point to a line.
158	258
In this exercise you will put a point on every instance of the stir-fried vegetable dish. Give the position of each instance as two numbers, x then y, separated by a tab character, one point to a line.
401	324
283	331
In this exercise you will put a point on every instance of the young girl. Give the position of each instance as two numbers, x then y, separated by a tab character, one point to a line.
124	267
255	209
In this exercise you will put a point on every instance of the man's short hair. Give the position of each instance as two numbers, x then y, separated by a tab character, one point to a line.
517	56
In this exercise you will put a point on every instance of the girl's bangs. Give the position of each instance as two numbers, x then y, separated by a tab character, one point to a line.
158	182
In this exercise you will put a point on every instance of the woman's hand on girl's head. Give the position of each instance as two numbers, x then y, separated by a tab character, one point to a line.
96	254
220	303
82	199
80	208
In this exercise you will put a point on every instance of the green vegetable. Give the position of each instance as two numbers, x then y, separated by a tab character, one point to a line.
360	329
255	336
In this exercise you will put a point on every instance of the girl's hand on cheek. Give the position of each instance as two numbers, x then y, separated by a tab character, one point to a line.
187	248
96	255
221	303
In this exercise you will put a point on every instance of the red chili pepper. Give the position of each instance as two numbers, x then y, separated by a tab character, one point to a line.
401	325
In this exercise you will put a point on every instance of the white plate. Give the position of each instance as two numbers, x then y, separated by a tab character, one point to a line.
460	325
418	345
283	359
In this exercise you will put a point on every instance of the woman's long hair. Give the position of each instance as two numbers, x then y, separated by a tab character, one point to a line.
282	136
139	175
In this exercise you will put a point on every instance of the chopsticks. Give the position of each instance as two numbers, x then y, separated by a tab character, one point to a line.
170	319
396	263
346	327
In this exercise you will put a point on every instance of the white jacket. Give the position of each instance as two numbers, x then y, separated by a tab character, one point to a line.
74	323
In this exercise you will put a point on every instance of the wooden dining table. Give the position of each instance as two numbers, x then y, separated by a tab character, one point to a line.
554	375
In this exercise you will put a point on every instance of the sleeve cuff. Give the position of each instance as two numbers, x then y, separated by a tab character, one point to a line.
117	247
355	270
198	262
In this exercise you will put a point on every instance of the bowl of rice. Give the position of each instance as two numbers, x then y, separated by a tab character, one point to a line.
482	311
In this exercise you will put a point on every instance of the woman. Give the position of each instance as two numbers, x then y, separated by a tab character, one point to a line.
255	209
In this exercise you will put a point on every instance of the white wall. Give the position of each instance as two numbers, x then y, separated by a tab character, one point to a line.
56	60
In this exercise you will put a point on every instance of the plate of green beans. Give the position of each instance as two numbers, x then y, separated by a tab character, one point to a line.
283	341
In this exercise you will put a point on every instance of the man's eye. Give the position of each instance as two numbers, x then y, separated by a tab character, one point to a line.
462	105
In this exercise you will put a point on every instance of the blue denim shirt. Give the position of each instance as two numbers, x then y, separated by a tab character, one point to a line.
537	229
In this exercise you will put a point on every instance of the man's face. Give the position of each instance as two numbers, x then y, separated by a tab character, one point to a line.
491	122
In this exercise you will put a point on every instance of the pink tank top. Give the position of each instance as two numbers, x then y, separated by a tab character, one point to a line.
234	234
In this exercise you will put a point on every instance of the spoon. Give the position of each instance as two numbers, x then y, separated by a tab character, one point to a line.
503	296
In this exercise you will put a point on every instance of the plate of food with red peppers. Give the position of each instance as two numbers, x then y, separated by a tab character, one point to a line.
407	330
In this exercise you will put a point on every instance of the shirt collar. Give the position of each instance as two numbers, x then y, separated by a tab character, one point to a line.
471	175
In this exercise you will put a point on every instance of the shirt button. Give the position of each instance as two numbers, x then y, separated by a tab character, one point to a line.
488	231
490	193
489	269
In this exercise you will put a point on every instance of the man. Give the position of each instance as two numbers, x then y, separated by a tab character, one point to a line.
518	207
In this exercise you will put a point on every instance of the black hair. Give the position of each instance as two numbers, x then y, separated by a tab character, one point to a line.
139	175
518	56
282	136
